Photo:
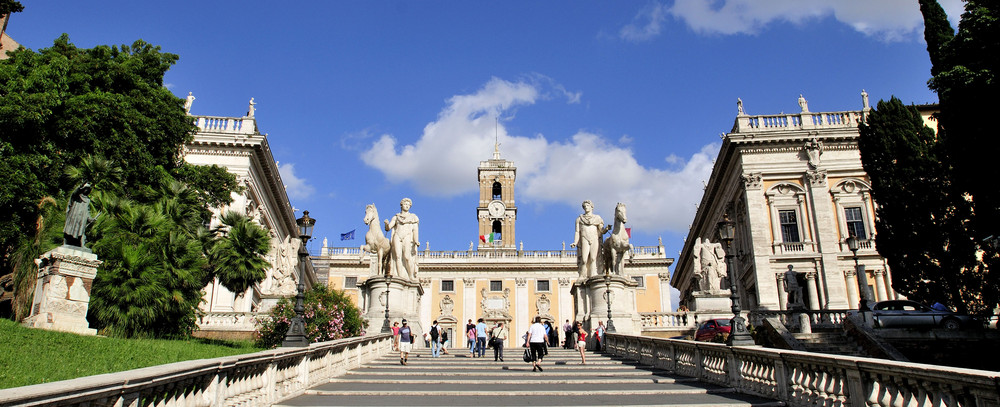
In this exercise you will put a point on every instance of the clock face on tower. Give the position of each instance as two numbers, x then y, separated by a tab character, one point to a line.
496	209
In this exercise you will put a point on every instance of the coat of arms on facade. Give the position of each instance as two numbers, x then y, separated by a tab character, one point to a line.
496	306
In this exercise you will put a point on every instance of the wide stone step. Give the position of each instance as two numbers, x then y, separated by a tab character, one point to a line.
565	381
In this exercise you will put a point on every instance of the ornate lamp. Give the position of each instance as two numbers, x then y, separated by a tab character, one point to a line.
296	335
607	295
385	323
853	245
739	336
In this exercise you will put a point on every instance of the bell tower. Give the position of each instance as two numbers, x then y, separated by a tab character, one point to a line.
497	211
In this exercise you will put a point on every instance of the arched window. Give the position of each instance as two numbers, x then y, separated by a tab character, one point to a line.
497	226
496	191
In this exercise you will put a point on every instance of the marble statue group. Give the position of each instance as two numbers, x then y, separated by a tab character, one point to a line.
396	255
710	265
594	254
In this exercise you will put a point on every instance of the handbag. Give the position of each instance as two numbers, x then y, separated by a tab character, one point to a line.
527	356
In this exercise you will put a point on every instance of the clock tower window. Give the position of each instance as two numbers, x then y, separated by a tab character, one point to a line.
497	227
497	188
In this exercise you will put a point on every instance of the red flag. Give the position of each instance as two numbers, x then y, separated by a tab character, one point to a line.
483	238
629	231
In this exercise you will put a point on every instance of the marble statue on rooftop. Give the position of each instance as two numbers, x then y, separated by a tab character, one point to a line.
404	241
251	109
587	239
188	102
803	104
739	107
78	217
864	100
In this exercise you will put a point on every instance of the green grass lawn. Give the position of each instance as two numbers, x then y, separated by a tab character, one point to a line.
31	356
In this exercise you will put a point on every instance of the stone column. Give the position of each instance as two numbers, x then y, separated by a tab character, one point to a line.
813	292
468	303
665	300
880	285
769	295
851	280
565	300
522	315
824	221
426	309
62	291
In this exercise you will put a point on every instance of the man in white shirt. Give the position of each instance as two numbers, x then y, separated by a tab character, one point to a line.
536	342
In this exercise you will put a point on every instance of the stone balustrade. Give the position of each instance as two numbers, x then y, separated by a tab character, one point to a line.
653	320
798	121
818	318
228	321
813	379
256	379
227	125
639	252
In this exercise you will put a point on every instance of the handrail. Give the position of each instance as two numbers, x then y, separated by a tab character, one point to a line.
256	379
812	379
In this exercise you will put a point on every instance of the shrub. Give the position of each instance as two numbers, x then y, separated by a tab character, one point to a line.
329	315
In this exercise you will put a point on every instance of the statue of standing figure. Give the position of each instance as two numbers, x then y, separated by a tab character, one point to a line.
793	289
709	265
404	240
587	239
78	217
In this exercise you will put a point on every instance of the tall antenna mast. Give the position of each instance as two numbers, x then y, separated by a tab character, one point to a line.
496	136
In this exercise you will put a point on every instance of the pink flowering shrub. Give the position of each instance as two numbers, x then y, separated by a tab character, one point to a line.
329	314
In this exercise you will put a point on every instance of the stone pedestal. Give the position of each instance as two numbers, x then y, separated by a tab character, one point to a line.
712	301
404	303
592	303
62	291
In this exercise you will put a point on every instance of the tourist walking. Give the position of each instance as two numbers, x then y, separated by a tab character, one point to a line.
553	334
405	343
395	336
567	330
470	336
574	333
581	342
435	340
444	341
481	335
498	336
599	335
536	344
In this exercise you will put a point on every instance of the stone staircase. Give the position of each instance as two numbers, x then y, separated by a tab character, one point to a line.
454	380
832	341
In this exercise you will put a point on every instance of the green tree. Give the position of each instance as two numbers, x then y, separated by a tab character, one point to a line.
964	69
237	253
925	240
62	104
10	6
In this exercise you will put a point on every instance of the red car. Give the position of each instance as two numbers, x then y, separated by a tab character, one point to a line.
712	328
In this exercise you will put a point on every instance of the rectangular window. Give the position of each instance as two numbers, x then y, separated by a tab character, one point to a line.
350	282
640	280
542	285
789	226
855	223
496	285
447	285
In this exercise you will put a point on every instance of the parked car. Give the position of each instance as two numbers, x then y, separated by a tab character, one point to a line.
911	314
712	328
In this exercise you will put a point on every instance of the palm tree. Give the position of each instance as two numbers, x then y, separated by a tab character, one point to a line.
45	236
237	253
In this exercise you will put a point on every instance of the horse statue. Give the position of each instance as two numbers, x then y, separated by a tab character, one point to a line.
615	246
375	241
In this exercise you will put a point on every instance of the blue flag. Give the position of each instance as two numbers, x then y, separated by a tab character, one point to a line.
347	236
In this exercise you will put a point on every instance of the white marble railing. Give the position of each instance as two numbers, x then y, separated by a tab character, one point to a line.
639	252
228	321
813	379
798	121
256	379
231	125
666	320
817	318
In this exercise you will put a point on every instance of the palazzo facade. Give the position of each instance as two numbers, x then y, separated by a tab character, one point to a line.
236	144
795	187
495	280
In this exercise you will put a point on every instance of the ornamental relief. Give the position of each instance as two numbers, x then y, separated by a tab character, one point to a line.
496	306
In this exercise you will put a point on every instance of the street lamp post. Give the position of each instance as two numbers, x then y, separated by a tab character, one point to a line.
296	335
607	294
385	323
739	335
859	270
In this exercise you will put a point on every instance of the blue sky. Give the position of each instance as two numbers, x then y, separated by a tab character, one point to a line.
370	102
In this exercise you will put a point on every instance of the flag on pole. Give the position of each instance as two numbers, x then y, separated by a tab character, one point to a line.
482	238
629	231
491	237
348	235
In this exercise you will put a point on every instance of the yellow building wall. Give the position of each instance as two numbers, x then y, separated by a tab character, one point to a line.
647	299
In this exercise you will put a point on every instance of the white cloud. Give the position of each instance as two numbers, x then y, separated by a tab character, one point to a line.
587	166
887	20
295	187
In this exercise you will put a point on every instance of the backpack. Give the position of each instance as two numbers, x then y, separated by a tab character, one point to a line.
434	332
